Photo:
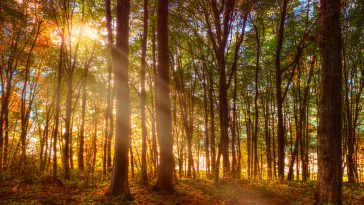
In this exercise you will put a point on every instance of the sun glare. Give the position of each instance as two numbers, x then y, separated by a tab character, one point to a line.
87	31
83	32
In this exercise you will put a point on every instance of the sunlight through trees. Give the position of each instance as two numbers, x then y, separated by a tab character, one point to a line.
137	100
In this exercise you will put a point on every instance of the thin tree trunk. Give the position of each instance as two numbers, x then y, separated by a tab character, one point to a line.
131	160
154	115
57	106
256	121
81	165
206	121
67	133
248	128
233	130
268	139
109	128
212	122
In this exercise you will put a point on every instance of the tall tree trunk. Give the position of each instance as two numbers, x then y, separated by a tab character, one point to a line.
120	57
267	134
57	105
143	94
4	118
295	151
154	115
131	160
238	168
218	35
67	127
234	130
81	165
27	95
256	121
44	140
303	123
212	122
206	121
280	131
329	179
163	104
224	123
273	142
71	145
351	112
109	128
248	133
67	133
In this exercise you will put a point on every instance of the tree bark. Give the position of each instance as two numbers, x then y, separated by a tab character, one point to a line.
154	150
109	128
212	122
81	165
163	104
206	121
4	117
329	179
120	57
143	94
57	106
280	131
256	118
234	130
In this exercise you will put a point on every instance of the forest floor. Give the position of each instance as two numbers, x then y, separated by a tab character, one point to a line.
197	191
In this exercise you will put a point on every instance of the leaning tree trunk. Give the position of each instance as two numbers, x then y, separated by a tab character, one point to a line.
329	179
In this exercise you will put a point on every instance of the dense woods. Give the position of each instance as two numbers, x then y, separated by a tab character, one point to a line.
167	101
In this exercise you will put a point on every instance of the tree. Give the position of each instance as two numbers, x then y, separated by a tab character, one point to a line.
280	98
163	104
329	179
109	122
143	93
27	102
354	86
219	28
57	102
120	57
83	113
256	110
